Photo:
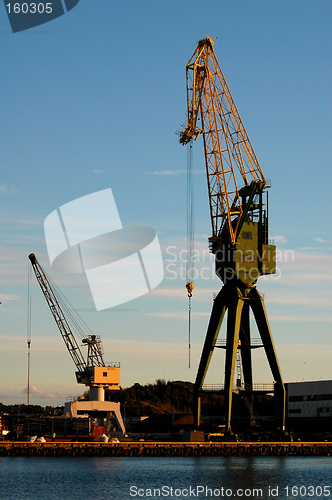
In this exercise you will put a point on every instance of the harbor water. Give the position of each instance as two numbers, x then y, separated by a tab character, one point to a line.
108	478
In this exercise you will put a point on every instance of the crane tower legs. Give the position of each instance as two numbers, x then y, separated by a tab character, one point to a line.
238	302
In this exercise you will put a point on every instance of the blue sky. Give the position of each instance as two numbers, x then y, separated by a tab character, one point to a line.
92	101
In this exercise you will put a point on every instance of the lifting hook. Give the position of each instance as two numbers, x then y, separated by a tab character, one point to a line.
190	287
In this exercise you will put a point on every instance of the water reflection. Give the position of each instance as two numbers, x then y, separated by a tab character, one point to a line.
120	478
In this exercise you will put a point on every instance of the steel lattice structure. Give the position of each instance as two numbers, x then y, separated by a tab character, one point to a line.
228	149
93	342
239	217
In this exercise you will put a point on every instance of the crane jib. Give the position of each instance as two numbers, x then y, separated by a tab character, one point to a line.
233	172
89	371
228	150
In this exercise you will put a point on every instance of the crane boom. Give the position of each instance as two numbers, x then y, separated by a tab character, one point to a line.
227	146
89	371
61	321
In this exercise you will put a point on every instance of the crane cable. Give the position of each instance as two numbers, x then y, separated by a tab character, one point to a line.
75	322
190	234
29	331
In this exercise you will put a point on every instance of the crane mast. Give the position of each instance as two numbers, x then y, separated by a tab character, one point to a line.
239	216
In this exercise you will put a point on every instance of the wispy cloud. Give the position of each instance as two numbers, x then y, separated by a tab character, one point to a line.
8	190
39	393
288	298
177	314
19	221
8	297
301	319
169	292
320	240
174	172
168	172
96	171
279	238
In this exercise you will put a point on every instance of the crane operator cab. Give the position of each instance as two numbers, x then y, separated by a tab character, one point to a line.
251	256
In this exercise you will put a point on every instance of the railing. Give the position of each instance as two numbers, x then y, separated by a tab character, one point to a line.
253	343
254	387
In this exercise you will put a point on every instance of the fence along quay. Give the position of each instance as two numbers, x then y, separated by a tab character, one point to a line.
158	449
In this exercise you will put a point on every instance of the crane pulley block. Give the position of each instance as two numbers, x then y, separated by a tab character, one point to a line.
190	288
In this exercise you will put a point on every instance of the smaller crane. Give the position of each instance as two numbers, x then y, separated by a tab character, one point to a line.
93	371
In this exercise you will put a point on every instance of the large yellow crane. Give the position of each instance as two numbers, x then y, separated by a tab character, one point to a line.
239	215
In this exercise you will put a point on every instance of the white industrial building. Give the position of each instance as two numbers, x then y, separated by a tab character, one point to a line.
309	400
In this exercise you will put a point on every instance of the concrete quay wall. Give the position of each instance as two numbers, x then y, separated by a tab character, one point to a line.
162	449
